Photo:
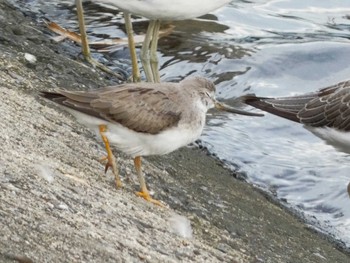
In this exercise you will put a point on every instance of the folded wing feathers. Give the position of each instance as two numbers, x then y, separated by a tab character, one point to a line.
144	114
328	107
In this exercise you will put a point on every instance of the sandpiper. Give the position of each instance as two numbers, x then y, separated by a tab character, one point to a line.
326	113
155	10
145	118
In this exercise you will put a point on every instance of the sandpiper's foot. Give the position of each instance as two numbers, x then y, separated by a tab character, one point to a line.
107	162
144	191
147	197
111	163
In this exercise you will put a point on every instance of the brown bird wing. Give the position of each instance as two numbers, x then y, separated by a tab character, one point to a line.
286	107
328	107
139	107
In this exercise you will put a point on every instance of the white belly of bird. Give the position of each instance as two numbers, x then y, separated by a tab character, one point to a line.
338	139
167	9
143	144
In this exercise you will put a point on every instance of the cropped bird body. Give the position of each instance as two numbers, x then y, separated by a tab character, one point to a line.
167	9
326	112
156	11
145	118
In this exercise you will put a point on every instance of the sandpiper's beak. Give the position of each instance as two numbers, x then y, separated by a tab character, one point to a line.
224	107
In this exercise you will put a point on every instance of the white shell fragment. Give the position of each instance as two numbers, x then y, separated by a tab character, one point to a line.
181	226
30	58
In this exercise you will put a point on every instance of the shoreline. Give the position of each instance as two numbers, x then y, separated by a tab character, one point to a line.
57	206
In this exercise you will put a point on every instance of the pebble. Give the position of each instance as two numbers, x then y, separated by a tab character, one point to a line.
62	206
30	58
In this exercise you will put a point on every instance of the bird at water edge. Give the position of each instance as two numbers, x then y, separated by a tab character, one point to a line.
144	119
326	112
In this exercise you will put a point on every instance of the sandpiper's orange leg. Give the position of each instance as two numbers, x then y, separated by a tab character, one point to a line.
111	162
144	191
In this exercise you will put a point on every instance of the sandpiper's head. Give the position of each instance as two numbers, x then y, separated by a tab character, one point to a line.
205	88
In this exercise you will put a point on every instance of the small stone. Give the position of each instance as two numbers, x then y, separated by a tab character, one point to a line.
30	58
62	206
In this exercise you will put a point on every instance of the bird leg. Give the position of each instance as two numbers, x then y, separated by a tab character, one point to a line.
85	43
129	30
145	53
144	191
153	52
111	161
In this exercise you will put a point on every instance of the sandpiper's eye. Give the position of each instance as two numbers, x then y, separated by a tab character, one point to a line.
208	94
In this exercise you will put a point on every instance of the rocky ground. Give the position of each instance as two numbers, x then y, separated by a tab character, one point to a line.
57	206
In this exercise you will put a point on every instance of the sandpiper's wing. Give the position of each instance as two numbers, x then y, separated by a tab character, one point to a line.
329	107
137	106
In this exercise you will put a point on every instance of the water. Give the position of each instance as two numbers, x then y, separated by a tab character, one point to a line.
271	48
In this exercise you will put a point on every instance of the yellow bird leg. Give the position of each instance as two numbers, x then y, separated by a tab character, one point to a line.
85	43
144	191
111	161
153	52
129	30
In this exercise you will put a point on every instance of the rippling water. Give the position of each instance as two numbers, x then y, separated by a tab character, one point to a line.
271	48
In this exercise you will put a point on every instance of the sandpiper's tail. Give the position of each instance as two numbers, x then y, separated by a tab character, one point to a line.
53	96
79	101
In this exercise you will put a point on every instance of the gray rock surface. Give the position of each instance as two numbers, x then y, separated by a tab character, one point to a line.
56	205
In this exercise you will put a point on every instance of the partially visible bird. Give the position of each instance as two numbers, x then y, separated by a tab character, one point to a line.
85	44
326	112
144	118
156	11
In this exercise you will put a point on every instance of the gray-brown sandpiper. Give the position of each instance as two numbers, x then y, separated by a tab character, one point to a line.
144	118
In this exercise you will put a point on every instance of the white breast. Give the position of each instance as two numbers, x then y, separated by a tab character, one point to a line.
142	144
